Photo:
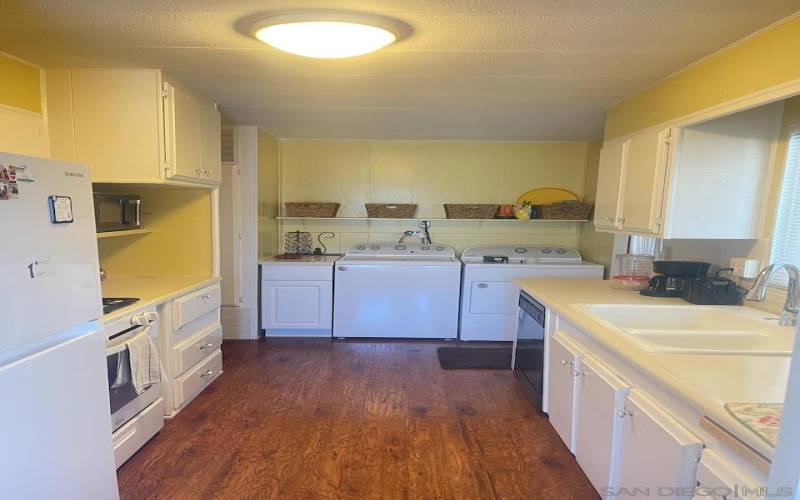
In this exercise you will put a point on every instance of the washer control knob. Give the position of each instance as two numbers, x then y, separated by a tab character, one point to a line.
361	247
561	251
547	250
375	247
439	249
425	247
400	247
520	250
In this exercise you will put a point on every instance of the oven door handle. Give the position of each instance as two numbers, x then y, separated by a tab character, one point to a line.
118	344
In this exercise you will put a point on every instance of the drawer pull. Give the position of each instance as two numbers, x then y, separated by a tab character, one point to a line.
207	373
206	346
483	285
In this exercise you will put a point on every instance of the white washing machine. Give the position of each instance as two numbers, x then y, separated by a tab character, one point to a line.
489	298
389	290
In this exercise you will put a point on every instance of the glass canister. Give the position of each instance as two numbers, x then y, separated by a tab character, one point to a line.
632	271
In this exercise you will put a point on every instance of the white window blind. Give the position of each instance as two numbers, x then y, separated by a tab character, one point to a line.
642	245
786	239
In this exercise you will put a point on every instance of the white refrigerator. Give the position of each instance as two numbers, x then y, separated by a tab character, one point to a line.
55	423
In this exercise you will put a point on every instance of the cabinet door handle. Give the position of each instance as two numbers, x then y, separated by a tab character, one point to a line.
609	219
206	346
624	413
207	373
621	220
580	374
564	362
206	297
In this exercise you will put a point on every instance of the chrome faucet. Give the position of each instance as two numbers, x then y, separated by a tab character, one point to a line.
759	291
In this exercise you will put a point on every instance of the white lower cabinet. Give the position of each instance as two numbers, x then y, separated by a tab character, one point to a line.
564	359
301	305
658	456
192	346
598	429
297	298
719	479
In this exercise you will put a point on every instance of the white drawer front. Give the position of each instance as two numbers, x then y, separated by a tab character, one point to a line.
192	351
296	272
195	380
135	433
193	328
190	307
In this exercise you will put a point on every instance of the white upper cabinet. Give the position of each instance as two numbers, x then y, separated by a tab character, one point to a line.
123	125
193	136
645	171
702	181
608	205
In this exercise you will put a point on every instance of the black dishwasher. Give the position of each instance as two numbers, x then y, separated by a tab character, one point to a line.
529	353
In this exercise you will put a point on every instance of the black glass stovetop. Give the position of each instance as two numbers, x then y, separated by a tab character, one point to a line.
111	304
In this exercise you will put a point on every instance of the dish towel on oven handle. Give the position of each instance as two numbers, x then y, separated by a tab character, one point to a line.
145	365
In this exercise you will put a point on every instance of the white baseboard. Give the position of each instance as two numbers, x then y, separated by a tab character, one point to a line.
239	322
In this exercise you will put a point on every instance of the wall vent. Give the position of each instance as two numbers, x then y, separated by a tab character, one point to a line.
230	148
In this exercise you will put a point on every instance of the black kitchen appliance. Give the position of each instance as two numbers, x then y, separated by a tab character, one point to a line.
672	276
714	291
117	212
529	354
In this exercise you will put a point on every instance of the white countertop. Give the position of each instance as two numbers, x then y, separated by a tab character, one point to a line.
706	381
150	289
306	260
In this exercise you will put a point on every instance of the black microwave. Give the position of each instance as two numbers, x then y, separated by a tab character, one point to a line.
117	212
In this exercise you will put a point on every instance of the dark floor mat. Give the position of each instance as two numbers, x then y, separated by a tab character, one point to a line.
491	358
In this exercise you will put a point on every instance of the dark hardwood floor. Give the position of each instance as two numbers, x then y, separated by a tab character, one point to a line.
313	419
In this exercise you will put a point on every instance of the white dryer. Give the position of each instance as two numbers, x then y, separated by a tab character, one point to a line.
403	290
489	298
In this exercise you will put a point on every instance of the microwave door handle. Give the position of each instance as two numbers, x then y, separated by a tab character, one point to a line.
135	204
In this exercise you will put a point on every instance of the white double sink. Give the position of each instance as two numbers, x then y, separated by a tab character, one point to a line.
687	329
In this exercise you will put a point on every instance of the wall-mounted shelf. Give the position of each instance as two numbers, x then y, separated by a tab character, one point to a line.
117	234
368	219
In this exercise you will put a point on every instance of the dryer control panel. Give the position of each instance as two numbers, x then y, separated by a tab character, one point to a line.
520	255
401	250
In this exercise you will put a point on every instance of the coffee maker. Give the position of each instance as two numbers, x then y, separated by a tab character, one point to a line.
672	276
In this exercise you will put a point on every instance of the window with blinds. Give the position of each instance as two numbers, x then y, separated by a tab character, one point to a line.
786	239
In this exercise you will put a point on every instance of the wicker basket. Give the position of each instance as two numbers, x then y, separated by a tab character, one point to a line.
315	209
391	210
470	211
565	211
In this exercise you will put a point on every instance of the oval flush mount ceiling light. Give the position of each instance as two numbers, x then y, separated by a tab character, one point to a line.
329	35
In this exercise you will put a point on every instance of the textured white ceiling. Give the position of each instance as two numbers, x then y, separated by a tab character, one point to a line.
472	69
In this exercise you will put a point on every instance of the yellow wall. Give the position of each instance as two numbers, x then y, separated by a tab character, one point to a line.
180	242
20	85
429	173
767	59
269	240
